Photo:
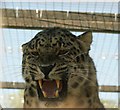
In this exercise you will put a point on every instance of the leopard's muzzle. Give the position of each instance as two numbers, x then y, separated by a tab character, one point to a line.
51	89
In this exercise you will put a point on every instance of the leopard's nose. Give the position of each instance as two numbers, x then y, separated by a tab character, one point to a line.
46	69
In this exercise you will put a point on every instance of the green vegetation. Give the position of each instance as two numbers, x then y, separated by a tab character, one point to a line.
110	104
13	100
16	100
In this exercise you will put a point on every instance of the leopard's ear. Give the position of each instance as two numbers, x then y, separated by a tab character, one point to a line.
86	38
25	48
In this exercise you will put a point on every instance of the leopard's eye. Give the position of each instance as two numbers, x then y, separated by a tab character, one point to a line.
35	54
63	52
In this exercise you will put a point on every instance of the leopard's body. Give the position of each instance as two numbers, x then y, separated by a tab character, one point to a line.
72	64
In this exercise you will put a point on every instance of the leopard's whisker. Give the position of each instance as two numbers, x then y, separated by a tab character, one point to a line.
88	79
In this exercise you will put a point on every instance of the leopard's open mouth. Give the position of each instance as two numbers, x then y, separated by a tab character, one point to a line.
52	89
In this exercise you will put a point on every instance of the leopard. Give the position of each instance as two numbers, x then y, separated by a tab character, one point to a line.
58	70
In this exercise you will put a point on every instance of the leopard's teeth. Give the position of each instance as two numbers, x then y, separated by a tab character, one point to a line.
40	83
57	93
58	83
44	94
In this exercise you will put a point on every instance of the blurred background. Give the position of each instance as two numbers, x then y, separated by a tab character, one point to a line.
21	21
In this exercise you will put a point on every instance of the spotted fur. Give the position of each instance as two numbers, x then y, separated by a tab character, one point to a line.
70	54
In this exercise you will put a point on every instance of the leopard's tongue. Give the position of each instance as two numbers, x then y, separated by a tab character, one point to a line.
50	88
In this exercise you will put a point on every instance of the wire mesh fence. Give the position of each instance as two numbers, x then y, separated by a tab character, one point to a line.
22	20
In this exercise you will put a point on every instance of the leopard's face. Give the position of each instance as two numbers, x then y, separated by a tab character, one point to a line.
48	58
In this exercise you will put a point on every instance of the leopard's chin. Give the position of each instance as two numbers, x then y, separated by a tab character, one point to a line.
51	89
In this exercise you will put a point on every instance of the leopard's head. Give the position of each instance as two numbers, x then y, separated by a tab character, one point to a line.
48	51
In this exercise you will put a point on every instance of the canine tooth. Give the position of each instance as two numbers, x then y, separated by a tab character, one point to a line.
40	83
44	94
58	83
57	93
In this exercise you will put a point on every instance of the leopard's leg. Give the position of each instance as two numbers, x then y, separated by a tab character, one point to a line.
30	96
93	97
